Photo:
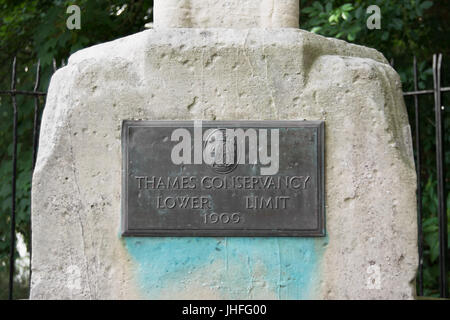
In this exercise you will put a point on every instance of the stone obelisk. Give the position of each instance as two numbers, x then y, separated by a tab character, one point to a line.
225	60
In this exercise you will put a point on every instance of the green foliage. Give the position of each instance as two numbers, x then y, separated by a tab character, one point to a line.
403	27
21	286
431	238
337	22
36	29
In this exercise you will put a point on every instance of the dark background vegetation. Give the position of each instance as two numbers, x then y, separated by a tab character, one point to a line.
33	30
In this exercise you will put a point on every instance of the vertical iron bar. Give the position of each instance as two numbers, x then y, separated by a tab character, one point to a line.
13	193
36	113
442	212
35	146
419	186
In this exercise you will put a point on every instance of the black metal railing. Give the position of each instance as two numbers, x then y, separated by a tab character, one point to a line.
13	92
437	92
439	109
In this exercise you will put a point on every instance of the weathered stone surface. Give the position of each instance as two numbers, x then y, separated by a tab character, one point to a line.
226	14
225	74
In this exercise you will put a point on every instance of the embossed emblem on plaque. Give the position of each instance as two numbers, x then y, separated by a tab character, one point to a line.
215	144
223	178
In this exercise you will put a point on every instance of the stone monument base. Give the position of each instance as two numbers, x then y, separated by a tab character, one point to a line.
223	74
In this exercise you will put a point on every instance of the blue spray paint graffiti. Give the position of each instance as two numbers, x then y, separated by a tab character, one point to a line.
231	268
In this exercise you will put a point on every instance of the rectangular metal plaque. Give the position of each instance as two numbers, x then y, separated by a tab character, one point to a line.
223	178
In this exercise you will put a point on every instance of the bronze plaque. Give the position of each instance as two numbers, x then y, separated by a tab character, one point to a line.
223	178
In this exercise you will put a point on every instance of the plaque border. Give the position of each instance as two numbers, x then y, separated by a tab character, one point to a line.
319	125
